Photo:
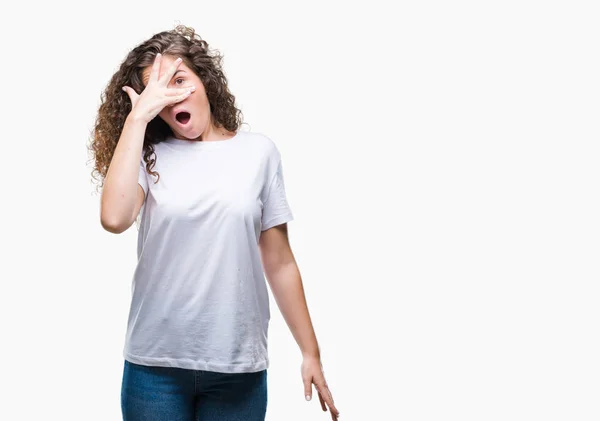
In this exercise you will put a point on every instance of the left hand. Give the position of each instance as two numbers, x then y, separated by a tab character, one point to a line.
312	373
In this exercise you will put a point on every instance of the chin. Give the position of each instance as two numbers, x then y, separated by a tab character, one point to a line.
188	134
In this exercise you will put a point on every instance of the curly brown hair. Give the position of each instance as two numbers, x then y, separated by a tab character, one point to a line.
184	42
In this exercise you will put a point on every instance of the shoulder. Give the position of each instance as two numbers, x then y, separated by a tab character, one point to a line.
261	142
263	148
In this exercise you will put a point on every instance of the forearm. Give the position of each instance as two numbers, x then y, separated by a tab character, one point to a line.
120	184
287	288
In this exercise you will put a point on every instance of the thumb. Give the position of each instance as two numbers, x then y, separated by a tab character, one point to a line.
131	93
307	388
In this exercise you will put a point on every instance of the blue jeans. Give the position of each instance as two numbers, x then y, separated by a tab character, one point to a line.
152	393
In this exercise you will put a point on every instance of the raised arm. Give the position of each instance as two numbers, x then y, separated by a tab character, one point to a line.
122	196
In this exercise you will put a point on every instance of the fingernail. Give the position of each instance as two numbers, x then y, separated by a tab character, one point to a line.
307	397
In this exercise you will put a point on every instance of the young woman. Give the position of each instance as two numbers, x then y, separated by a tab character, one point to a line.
213	208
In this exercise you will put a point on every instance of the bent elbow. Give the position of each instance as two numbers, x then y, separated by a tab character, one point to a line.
114	226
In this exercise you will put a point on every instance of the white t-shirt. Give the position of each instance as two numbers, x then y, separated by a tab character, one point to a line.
199	294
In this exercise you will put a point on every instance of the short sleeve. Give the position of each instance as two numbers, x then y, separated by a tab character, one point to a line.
143	177
276	209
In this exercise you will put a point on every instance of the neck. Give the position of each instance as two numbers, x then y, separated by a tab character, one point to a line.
212	133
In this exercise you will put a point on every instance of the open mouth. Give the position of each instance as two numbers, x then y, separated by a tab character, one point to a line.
183	117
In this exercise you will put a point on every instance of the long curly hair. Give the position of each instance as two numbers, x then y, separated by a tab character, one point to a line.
115	105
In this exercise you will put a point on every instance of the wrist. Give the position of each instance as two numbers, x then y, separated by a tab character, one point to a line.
312	355
135	119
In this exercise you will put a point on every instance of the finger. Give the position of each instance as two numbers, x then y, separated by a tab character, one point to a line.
154	72
326	396
322	402
307	388
131	93
178	98
334	411
169	73
180	91
184	95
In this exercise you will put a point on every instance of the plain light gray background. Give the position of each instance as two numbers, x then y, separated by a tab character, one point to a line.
441	160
